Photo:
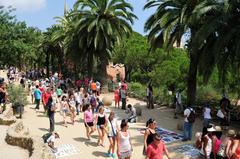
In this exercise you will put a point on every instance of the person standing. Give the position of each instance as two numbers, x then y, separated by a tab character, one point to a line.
98	84
46	96
149	134
116	97
51	111
72	107
37	96
123	95
235	148
157	148
124	145
206	115
150	103
189	118
207	142
178	103
93	87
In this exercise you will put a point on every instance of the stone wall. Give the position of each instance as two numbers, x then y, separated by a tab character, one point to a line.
18	135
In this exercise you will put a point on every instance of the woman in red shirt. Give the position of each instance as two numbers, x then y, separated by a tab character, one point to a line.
157	148
116	97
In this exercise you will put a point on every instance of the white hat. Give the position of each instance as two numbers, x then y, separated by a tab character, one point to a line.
211	129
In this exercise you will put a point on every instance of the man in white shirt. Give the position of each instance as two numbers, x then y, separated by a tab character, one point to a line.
51	139
131	111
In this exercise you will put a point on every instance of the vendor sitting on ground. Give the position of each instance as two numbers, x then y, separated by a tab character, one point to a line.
132	116
51	139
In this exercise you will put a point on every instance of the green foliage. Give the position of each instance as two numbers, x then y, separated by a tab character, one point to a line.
17	95
206	93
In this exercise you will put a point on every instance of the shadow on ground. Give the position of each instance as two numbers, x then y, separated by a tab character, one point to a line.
99	154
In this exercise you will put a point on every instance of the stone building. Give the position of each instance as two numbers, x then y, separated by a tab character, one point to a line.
116	72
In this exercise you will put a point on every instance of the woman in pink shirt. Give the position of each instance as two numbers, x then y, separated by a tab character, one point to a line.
88	120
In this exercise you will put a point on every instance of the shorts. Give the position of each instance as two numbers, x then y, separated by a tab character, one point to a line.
89	124
123	155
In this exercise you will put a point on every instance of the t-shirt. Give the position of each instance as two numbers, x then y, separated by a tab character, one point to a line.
51	139
59	92
37	94
93	86
88	116
186	113
156	151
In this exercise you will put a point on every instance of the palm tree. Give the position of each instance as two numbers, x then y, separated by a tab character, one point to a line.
171	21
100	25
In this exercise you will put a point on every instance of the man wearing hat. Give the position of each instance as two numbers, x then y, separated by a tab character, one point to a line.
51	140
157	148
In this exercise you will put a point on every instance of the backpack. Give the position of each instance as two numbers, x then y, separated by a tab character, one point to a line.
93	102
46	136
192	116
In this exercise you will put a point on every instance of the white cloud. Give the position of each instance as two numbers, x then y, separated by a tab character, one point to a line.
25	5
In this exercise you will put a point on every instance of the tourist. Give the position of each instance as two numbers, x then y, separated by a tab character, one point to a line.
178	103
123	96
93	87
37	96
93	102
112	134
149	134
150	103
227	144
72	107
99	104
101	122
46	96
59	93
64	109
132	115
216	142
157	148
124	145
51	140
188	122
206	115
222	116
207	142
98	84
235	148
116	97
88	120
86	99
78	97
51	111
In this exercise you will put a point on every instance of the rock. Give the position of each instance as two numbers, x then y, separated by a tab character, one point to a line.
8	113
107	101
7	118
138	109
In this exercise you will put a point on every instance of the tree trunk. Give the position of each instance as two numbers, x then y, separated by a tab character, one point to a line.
192	79
47	63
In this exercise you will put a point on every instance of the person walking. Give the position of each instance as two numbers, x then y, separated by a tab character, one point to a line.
51	111
149	134
124	145
112	134
72	107
101	122
88	120
37	96
207	142
64	109
178	103
123	95
157	148
216	142
189	118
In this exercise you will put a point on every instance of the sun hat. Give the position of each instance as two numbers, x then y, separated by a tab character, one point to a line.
211	129
231	133
218	128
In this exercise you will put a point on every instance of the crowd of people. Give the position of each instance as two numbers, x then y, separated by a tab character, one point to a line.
55	93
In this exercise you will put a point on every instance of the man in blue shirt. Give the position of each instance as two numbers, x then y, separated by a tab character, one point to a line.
37	95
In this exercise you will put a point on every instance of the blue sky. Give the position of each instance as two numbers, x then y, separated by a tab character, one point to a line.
41	13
